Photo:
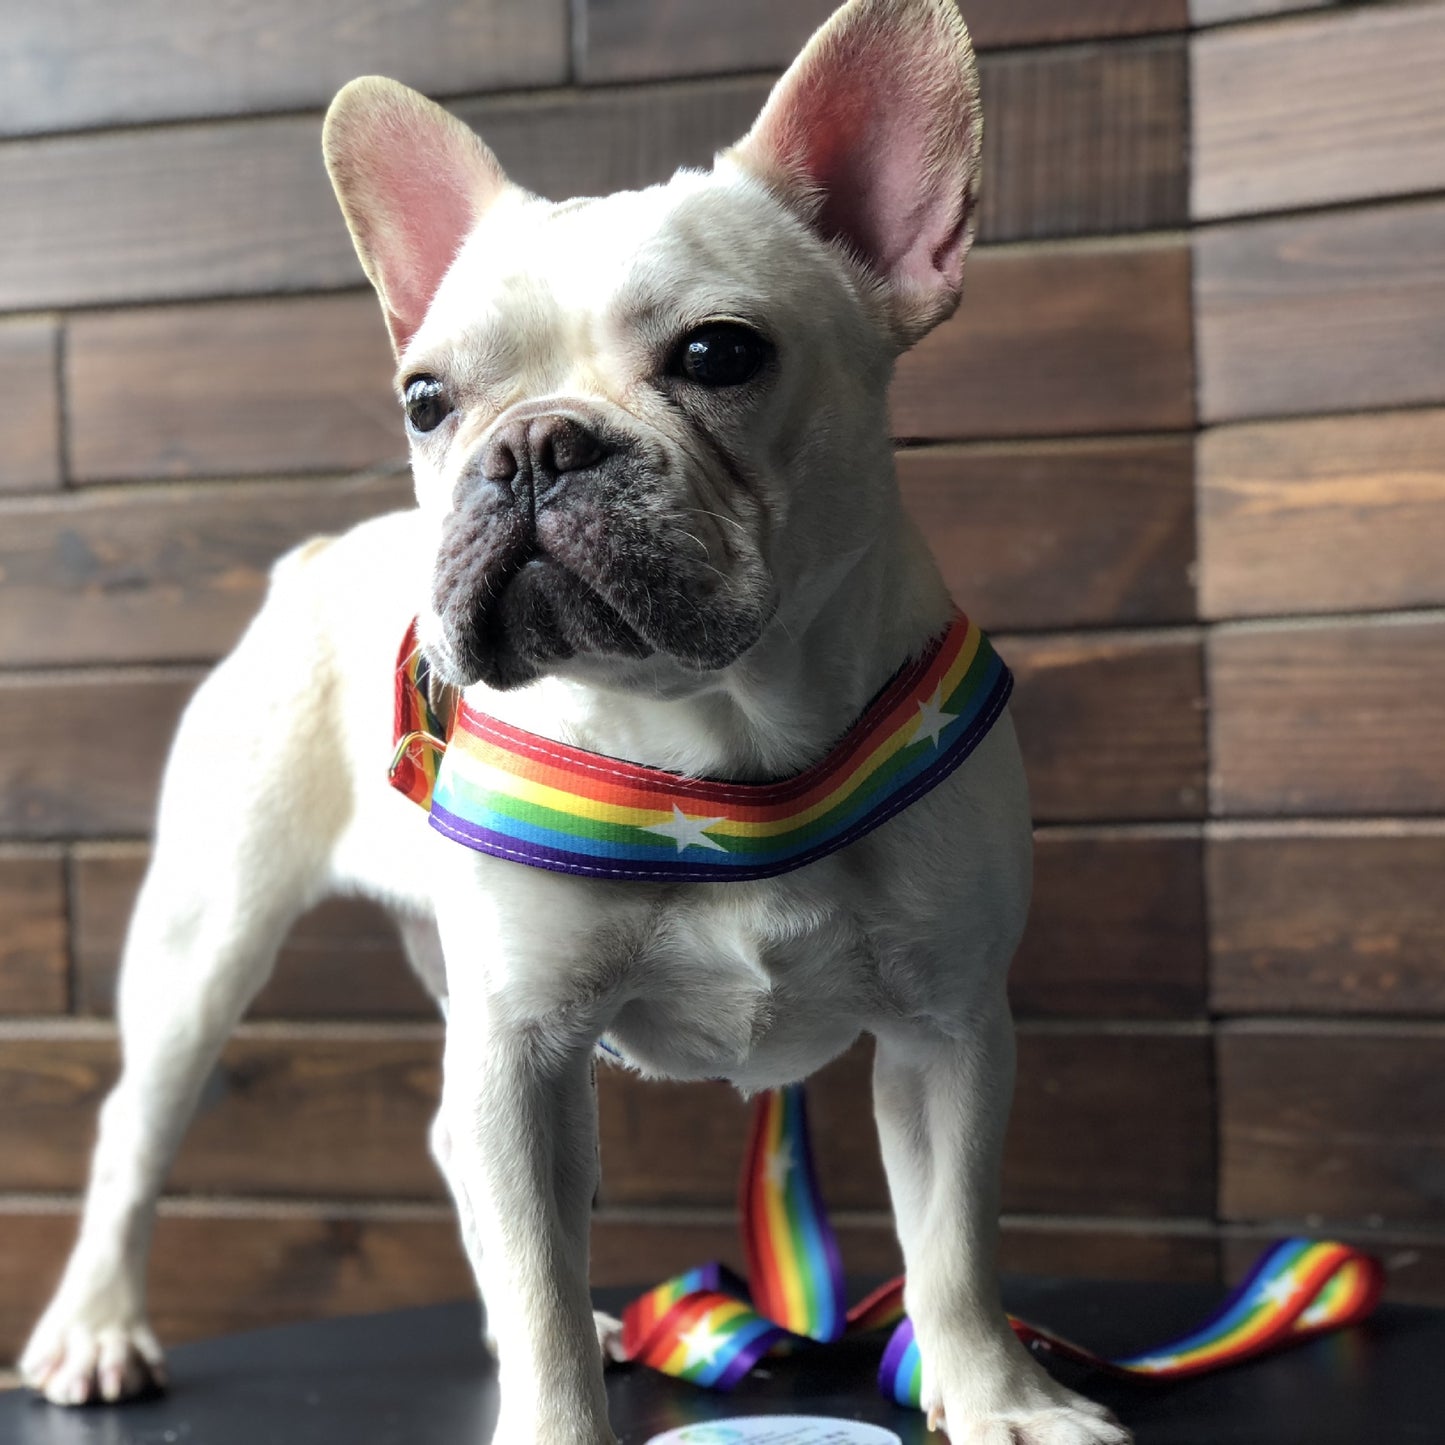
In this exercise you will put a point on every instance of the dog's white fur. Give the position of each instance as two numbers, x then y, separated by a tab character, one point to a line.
276	793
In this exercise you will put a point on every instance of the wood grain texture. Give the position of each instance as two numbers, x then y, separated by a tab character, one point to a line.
1335	923
1085	141
1116	929
1341	107
1050	535
1331	513
1336	312
1329	719
232	388
34	962
1057	341
627	1252
180	211
1414	1263
286	1114
1053	341
226	1270
1111	727
29	405
653	39
73	65
231	208
1220	12
1333	1123
80	756
341	960
1076	1145
234	1267
165	574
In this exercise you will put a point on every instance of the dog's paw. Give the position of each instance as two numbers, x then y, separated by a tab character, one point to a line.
81	1364
1019	1403
1086	1424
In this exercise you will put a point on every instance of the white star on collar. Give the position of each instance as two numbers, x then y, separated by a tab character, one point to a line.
687	832
701	1343
932	719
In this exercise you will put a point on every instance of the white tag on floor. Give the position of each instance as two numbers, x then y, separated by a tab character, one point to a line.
778	1430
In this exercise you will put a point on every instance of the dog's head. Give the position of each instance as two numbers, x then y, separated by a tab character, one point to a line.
648	424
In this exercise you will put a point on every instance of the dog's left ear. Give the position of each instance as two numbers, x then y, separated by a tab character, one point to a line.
874	135
413	181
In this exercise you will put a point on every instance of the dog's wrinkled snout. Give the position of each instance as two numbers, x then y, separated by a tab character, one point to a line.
534	454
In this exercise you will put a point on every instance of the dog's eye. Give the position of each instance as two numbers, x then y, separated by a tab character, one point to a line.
723	353
427	403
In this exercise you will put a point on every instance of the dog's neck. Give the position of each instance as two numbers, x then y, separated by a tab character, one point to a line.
777	710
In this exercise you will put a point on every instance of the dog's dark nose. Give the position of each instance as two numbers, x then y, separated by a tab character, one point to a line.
535	453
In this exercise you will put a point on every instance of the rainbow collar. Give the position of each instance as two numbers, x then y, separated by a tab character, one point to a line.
510	793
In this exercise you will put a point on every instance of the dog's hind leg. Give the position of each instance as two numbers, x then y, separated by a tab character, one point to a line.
238	855
942	1106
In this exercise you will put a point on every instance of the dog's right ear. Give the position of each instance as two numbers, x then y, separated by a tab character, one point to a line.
413	182
874	137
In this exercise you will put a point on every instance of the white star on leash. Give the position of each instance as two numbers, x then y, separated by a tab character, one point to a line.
780	1165
932	719
701	1344
1280	1291
687	832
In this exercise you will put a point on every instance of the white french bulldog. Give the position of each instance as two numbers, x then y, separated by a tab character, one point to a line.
657	519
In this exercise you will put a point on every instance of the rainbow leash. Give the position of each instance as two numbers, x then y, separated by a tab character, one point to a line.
710	1327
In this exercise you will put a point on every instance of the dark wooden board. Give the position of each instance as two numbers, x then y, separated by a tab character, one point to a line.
1343	718
1077	1145
1085	141
1326	514
1336	312
81	756
291	1114
631	1251
1327	922
232	388
236	1267
164	574
341	960
1219	12
1051	535
79	65
179	211
1340	107
1051	341
1079	142
34	965
1112	727
1057	341
235	207
1116	929
652	39
1333	1123
29	405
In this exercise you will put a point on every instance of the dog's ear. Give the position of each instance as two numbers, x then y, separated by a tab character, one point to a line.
874	134
413	181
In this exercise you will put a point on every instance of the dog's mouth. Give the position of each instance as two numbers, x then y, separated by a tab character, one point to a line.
520	597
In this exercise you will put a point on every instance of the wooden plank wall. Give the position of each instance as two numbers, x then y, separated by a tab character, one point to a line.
1178	451
1316	192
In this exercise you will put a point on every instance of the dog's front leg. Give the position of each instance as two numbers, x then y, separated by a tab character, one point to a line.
522	1120
942	1104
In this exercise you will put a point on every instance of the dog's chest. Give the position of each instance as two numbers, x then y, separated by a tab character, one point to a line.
754	992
